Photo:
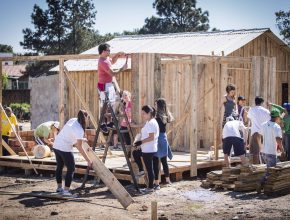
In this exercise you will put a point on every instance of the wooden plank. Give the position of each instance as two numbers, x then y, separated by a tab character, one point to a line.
255	79
157	77
154	214
272	79
108	178
135	82
193	119
8	148
61	93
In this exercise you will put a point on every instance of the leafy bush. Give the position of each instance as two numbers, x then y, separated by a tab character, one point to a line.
21	110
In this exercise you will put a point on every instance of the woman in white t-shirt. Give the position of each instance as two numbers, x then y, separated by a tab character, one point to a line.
71	134
148	143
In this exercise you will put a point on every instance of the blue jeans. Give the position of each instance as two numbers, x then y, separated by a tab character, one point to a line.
271	161
287	145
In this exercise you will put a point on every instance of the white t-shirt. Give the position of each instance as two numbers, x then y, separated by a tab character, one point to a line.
233	128
68	136
258	116
150	127
270	130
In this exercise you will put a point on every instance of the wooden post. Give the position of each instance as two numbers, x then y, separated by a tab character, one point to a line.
272	80
193	118
255	79
135	88
157	77
1	147
154	215
61	93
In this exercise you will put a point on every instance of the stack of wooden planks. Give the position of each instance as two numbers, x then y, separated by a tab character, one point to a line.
238	178
278	179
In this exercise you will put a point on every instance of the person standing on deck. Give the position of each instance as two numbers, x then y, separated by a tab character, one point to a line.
105	77
163	117
258	115
229	102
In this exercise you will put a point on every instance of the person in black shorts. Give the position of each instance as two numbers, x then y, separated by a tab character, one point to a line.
233	137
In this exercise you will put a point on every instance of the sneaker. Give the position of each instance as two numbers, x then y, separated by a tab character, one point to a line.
104	128
60	190
156	187
67	193
147	190
110	125
259	188
140	173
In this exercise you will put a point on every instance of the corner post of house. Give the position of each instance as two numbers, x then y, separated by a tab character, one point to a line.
255	79
193	116
135	82
1	147
61	92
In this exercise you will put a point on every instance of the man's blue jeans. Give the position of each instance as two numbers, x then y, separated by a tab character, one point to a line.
271	161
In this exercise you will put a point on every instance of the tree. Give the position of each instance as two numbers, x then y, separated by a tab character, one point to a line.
176	16
65	27
283	23
6	48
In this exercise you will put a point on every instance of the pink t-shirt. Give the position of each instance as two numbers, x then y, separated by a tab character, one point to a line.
104	66
128	110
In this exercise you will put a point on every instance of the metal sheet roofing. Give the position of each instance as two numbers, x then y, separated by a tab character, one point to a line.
198	43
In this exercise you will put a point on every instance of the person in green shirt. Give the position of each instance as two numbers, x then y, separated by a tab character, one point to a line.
44	131
286	122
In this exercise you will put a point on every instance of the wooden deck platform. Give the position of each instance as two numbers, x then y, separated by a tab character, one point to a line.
115	162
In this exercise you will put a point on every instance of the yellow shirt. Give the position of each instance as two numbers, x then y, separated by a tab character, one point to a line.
6	128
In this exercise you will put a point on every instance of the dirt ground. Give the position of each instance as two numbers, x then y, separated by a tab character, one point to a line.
181	200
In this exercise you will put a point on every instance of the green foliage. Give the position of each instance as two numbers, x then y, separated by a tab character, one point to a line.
176	16
65	27
6	48
283	24
4	79
21	110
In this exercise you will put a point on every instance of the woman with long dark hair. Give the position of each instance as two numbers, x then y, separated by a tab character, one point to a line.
71	134
148	143
163	117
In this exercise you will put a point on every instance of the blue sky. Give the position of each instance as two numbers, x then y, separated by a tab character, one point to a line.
119	15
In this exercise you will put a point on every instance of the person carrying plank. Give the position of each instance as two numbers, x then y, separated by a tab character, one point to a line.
6	127
272	139
106	74
44	130
258	115
70	135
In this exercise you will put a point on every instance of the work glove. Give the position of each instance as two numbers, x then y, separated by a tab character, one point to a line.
137	143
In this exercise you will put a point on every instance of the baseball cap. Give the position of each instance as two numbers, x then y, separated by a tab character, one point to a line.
275	113
56	124
241	98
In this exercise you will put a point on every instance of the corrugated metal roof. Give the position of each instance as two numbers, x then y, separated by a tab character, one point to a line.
198	43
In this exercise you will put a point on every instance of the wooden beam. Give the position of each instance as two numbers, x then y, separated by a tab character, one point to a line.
154	215
193	119
135	82
8	148
61	93
108	178
255	79
1	148
157	77
272	80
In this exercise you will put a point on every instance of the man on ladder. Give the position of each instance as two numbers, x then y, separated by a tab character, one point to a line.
108	98
106	74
